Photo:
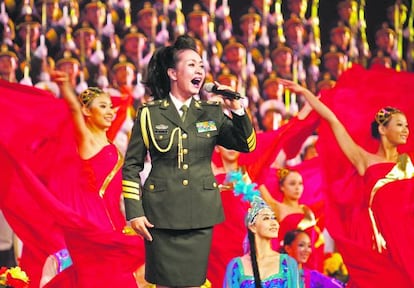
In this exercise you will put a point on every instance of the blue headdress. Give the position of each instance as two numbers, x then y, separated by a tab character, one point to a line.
243	186
257	205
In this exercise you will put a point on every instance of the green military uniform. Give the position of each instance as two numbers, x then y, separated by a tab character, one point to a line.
181	192
180	197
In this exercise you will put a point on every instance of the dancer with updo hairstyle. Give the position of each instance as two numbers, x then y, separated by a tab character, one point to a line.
292	214
375	205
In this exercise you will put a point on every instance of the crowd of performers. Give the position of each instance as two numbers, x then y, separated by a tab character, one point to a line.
327	176
108	44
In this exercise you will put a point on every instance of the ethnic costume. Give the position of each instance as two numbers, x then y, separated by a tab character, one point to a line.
285	272
180	196
349	196
55	200
286	278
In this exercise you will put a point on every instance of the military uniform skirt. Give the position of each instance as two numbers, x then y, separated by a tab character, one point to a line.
177	257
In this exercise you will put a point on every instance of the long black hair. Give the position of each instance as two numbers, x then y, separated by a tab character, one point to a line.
164	58
255	267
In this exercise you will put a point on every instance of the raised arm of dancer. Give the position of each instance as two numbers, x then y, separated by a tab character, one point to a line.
62	79
272	202
355	153
90	117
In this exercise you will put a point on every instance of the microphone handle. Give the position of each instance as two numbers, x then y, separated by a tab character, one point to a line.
228	94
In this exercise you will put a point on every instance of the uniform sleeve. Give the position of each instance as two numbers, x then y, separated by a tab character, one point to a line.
134	164
238	133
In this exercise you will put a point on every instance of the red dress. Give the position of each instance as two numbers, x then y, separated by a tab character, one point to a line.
357	96
302	221
113	258
51	197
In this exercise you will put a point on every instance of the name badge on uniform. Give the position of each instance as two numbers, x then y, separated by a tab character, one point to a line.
161	129
206	126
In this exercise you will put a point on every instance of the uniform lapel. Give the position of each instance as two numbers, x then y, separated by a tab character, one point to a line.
194	113
168	110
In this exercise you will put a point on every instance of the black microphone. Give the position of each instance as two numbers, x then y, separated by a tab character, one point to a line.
212	88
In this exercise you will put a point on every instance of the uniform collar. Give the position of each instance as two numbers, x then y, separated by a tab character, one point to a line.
177	103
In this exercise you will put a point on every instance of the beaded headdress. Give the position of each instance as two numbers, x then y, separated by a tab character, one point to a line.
384	114
242	186
256	205
86	96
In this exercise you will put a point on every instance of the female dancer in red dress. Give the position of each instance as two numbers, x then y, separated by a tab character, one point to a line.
369	185
86	213
292	215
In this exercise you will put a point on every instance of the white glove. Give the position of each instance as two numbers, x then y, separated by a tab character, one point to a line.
82	86
97	57
102	81
162	36
41	51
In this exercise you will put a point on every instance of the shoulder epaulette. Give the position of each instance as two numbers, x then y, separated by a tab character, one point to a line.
210	102
152	103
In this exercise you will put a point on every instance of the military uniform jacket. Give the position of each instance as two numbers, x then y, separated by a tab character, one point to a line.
181	191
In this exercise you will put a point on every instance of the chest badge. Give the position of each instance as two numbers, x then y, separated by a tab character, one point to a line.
206	126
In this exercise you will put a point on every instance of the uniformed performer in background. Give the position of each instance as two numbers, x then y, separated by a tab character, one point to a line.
177	206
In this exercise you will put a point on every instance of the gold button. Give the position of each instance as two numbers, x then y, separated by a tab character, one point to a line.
185	182
151	187
215	185
208	135
185	151
161	137
185	136
185	166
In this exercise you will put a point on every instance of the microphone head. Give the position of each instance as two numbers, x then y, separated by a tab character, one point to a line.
209	87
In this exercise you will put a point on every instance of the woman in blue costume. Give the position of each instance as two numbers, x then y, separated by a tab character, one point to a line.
261	266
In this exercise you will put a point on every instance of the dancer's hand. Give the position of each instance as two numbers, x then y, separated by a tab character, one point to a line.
292	86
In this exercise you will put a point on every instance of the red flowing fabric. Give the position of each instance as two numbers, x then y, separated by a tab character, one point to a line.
228	236
28	121
355	99
124	103
45	201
